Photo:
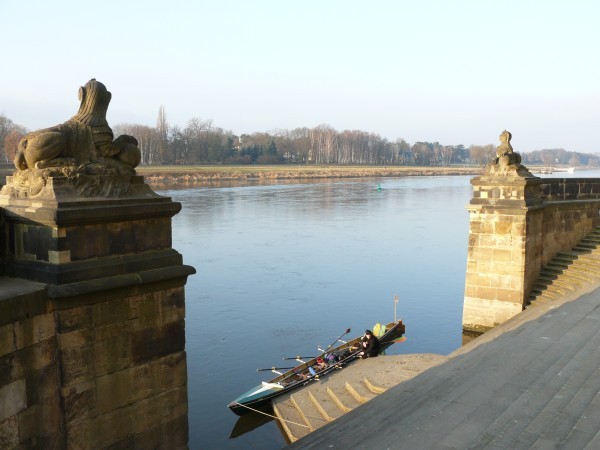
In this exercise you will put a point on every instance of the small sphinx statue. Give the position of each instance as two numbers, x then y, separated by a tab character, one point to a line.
507	161
81	149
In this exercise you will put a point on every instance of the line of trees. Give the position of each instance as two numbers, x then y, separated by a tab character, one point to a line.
10	135
201	142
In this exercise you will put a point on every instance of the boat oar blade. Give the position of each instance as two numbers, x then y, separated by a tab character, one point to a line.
340	337
275	368
299	357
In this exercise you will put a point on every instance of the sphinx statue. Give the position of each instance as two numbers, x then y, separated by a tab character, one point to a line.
81	149
507	161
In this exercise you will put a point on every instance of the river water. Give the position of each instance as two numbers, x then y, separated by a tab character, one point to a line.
283	268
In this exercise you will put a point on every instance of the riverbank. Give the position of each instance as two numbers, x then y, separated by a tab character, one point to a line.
189	176
488	395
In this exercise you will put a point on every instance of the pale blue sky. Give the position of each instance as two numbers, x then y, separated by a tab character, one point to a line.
456	72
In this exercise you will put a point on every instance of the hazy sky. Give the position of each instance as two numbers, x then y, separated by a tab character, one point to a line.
456	72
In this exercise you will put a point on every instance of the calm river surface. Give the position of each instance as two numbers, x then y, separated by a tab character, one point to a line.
284	268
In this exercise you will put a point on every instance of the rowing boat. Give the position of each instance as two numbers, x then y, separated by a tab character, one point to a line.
332	358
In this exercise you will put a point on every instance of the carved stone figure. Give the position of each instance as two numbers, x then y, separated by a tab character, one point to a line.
81	149
507	162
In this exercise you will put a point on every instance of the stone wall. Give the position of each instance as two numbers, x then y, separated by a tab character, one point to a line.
95	370
92	322
30	397
123	367
517	225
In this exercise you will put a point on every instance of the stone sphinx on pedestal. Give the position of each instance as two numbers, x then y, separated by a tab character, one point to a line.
80	150
507	162
100	361
75	210
506	203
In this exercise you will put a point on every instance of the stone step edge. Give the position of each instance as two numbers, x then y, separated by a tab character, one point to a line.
284	425
373	387
337	401
301	413
354	393
319	407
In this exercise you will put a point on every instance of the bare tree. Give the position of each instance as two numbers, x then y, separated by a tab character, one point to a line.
162	128
11	141
147	137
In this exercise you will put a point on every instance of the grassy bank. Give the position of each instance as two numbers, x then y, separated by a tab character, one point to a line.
186	176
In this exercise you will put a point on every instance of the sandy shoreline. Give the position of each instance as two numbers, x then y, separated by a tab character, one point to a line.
188	176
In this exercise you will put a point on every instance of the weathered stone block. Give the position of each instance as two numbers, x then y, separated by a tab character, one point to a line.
112	354
33	330
14	399
119	425
9	433
153	343
43	424
500	281
79	400
481	315
478	279
77	364
16	365
41	384
7	339
510	296
485	292
171	435
76	338
75	318
115	311
502	255
137	383
502	227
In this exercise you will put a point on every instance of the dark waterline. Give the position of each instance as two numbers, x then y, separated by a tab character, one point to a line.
283	268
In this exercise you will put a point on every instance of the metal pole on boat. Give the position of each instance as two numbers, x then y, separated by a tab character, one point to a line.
395	303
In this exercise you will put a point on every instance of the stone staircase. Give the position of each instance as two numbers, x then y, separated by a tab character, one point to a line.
569	272
321	402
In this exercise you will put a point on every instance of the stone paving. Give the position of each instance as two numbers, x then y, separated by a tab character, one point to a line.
532	382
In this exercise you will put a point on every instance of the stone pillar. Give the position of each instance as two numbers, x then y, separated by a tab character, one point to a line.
504	248
113	314
98	309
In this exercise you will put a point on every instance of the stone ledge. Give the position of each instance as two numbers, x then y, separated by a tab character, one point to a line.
120	281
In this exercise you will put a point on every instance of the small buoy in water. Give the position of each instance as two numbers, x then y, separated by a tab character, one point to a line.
379	187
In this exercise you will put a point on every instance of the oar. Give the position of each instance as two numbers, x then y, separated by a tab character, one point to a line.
275	368
340	337
299	357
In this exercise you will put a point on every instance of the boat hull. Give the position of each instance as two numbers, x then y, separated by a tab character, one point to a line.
265	392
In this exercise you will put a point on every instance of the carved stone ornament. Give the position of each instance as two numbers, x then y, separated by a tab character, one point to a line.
81	149
507	162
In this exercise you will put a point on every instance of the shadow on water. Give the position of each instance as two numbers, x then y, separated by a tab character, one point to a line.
252	421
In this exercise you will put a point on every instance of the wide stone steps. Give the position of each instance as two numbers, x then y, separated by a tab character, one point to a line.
309	409
323	401
569	271
532	382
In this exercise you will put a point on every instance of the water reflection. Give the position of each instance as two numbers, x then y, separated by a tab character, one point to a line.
251	421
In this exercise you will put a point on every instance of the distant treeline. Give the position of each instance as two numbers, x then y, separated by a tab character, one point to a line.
200	142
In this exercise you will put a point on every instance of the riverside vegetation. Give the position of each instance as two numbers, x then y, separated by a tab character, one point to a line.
188	176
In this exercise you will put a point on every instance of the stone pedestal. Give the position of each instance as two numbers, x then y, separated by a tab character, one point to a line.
104	326
62	239
505	221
